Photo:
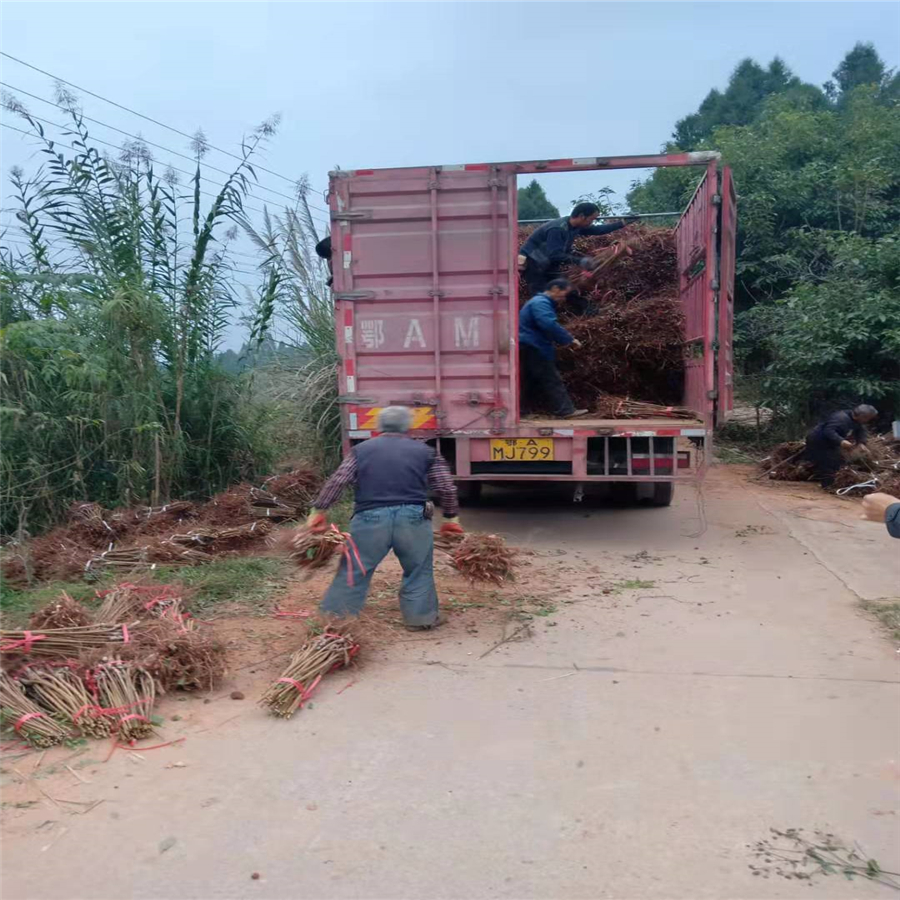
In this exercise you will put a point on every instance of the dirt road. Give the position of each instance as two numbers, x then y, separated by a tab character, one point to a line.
706	676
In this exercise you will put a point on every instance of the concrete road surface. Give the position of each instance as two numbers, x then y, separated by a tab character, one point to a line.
647	734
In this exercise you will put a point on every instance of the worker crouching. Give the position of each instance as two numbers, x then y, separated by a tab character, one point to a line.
392	475
830	443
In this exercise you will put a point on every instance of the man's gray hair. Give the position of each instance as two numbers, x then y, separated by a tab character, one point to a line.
865	410
395	419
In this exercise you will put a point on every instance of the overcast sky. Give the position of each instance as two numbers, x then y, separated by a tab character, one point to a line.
365	85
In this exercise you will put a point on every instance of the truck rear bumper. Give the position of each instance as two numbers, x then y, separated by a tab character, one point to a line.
636	456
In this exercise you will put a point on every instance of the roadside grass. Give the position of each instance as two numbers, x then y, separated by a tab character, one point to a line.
733	455
243	584
633	584
223	586
17	605
887	612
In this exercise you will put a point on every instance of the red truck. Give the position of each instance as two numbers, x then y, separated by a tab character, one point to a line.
426	300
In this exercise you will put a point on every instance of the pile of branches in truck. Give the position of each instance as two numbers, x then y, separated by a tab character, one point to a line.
633	329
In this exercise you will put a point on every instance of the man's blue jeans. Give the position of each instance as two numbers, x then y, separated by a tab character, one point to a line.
406	531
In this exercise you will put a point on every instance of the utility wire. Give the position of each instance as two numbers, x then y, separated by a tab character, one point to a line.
19	228
115	147
136	113
138	137
108	144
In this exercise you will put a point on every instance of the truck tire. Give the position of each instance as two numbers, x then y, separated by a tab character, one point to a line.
469	492
663	491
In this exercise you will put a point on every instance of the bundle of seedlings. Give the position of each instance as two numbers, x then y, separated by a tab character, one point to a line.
296	487
90	521
862	481
64	643
166	551
62	693
448	541
220	540
178	656
126	558
126	600
318	656
240	536
612	407
786	463
311	550
127	693
29	721
485	557
231	507
62	613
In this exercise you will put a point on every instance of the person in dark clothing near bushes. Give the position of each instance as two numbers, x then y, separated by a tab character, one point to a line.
549	248
539	330
830	440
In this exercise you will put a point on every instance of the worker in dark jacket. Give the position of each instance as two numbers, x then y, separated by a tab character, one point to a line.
539	330
830	440
392	475
883	508
549	246
323	251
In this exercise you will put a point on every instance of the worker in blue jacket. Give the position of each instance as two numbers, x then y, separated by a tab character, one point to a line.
549	246
539	330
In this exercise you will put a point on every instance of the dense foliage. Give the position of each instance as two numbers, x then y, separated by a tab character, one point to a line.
818	175
533	203
112	318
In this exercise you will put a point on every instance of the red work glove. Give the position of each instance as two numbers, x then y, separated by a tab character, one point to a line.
316	521
452	526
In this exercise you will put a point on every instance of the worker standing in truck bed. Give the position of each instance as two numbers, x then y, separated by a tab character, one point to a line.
539	330
549	246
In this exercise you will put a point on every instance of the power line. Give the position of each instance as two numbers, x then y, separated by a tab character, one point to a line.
58	248
108	144
115	147
136	113
150	143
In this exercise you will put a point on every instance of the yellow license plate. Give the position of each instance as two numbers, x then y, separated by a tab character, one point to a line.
527	449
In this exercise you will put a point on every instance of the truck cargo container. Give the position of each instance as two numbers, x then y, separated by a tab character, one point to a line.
426	305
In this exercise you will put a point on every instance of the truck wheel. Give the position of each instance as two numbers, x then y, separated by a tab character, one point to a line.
469	492
663	491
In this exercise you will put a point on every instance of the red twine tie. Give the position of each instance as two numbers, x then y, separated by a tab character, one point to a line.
25	643
18	726
345	549
305	693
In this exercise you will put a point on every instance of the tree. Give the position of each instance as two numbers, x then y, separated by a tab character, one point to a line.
862	65
533	203
819	216
748	88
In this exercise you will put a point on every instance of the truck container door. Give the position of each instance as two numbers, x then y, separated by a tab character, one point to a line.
425	285
727	252
696	242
